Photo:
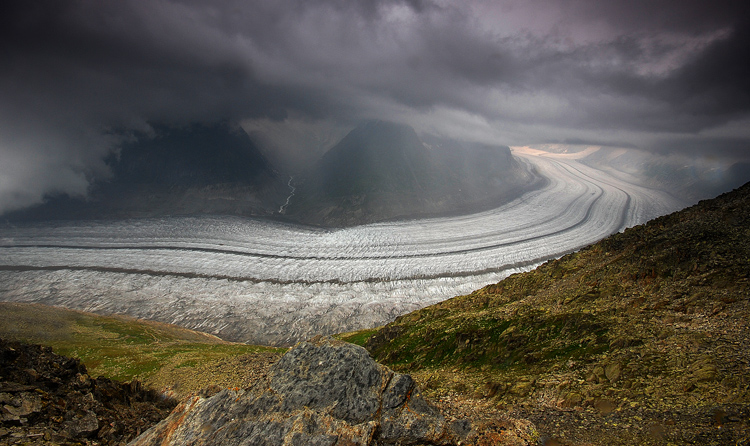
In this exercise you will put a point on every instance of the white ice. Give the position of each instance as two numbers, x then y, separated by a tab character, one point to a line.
262	281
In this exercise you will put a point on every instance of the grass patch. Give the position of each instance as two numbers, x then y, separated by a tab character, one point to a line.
357	337
116	347
494	343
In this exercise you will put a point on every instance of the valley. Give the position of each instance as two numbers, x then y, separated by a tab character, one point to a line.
267	282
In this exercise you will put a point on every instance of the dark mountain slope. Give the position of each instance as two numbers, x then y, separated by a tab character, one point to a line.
195	155
382	171
645	335
377	157
197	169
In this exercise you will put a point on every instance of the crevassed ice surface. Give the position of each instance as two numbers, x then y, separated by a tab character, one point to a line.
266	282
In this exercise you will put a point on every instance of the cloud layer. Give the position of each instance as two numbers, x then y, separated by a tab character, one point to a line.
78	75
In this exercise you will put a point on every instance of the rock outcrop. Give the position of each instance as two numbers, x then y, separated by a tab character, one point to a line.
50	399
322	392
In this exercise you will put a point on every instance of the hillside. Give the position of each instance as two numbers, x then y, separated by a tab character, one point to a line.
642	338
327	392
162	356
383	170
67	400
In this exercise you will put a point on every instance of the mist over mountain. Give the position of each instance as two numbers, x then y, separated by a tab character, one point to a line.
379	171
383	170
195	169
689	178
191	156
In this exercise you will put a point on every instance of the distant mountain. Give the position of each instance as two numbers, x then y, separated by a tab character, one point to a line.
688	178
379	171
196	169
383	170
196	155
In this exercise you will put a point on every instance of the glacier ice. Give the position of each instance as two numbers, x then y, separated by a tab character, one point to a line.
267	282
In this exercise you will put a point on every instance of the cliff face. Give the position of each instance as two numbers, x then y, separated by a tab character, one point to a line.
322	392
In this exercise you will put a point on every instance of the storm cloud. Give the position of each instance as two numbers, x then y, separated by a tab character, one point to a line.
79	76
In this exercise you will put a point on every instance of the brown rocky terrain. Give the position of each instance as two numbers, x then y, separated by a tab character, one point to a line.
642	338
50	399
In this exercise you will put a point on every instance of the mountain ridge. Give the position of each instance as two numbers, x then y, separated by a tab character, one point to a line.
649	324
379	171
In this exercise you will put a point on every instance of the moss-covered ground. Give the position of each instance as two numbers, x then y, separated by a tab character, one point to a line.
653	322
123	348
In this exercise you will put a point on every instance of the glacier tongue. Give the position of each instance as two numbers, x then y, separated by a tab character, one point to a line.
265	282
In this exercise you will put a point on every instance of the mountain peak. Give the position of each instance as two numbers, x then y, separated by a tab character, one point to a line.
383	170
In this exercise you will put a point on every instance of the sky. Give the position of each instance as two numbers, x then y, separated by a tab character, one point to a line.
79	77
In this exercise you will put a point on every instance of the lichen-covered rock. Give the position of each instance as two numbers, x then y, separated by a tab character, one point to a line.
322	392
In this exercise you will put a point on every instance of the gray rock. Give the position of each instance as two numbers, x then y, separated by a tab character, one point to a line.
81	424
17	408
323	392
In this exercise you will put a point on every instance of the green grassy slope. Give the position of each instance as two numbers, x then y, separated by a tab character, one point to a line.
124	348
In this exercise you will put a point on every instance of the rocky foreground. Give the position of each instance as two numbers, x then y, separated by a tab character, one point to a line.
324	392
50	399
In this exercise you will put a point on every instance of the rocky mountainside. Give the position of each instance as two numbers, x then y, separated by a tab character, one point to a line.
51	399
382	171
642	338
324	392
197	169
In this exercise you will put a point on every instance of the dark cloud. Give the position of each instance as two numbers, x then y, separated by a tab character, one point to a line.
78	74
716	83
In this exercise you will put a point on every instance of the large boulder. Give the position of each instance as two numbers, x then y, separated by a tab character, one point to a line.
322	392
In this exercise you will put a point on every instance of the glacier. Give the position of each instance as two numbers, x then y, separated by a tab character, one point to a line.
266	282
